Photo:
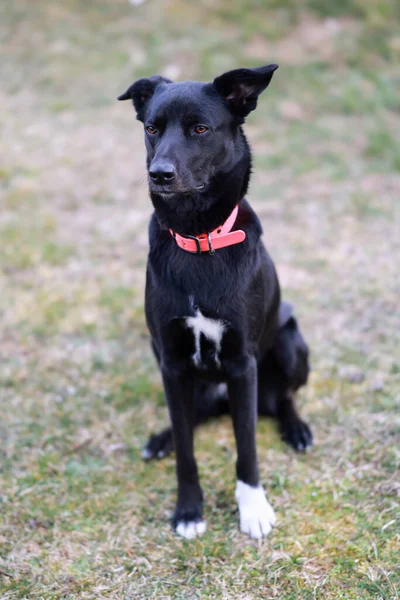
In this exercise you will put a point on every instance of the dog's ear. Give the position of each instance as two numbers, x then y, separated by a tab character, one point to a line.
141	92
242	87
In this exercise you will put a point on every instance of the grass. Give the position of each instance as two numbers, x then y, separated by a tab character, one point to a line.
81	516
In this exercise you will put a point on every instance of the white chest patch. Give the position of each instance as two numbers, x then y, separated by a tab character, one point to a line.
212	329
257	516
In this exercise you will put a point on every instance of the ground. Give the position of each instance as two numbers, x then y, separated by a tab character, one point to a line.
81	515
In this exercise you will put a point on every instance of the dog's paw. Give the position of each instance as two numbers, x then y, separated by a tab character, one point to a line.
191	529
188	521
257	516
297	434
158	446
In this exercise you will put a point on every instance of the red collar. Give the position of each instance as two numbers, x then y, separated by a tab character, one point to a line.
220	237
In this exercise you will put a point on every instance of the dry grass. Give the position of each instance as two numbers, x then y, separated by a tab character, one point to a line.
81	515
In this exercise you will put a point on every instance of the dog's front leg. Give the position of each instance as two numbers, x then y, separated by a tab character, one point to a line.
188	516
256	514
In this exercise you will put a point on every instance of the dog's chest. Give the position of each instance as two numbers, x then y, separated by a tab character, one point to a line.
207	336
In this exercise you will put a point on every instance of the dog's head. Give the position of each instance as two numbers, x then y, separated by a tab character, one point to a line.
192	130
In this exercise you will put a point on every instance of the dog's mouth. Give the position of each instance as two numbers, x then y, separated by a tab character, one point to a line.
163	190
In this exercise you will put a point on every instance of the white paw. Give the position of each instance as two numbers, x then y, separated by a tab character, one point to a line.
191	529
147	454
257	516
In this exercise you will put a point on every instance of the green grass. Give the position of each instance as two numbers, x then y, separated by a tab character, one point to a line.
81	516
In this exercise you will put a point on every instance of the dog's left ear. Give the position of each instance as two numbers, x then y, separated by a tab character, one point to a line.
242	87
142	91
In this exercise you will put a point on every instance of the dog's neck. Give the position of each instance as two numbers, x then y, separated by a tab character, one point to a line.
202	212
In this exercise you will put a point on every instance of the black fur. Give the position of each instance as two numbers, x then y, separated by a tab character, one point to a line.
199	165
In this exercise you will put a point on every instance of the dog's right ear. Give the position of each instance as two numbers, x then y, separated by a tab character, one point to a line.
141	92
242	87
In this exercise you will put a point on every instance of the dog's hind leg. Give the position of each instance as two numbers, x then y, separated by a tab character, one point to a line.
295	432
282	371
211	400
159	445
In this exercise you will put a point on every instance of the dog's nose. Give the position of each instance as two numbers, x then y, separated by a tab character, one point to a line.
162	172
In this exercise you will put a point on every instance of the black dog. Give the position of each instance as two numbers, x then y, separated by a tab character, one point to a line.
222	337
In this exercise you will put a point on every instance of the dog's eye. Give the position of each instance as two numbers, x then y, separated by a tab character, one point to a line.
151	129
200	129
